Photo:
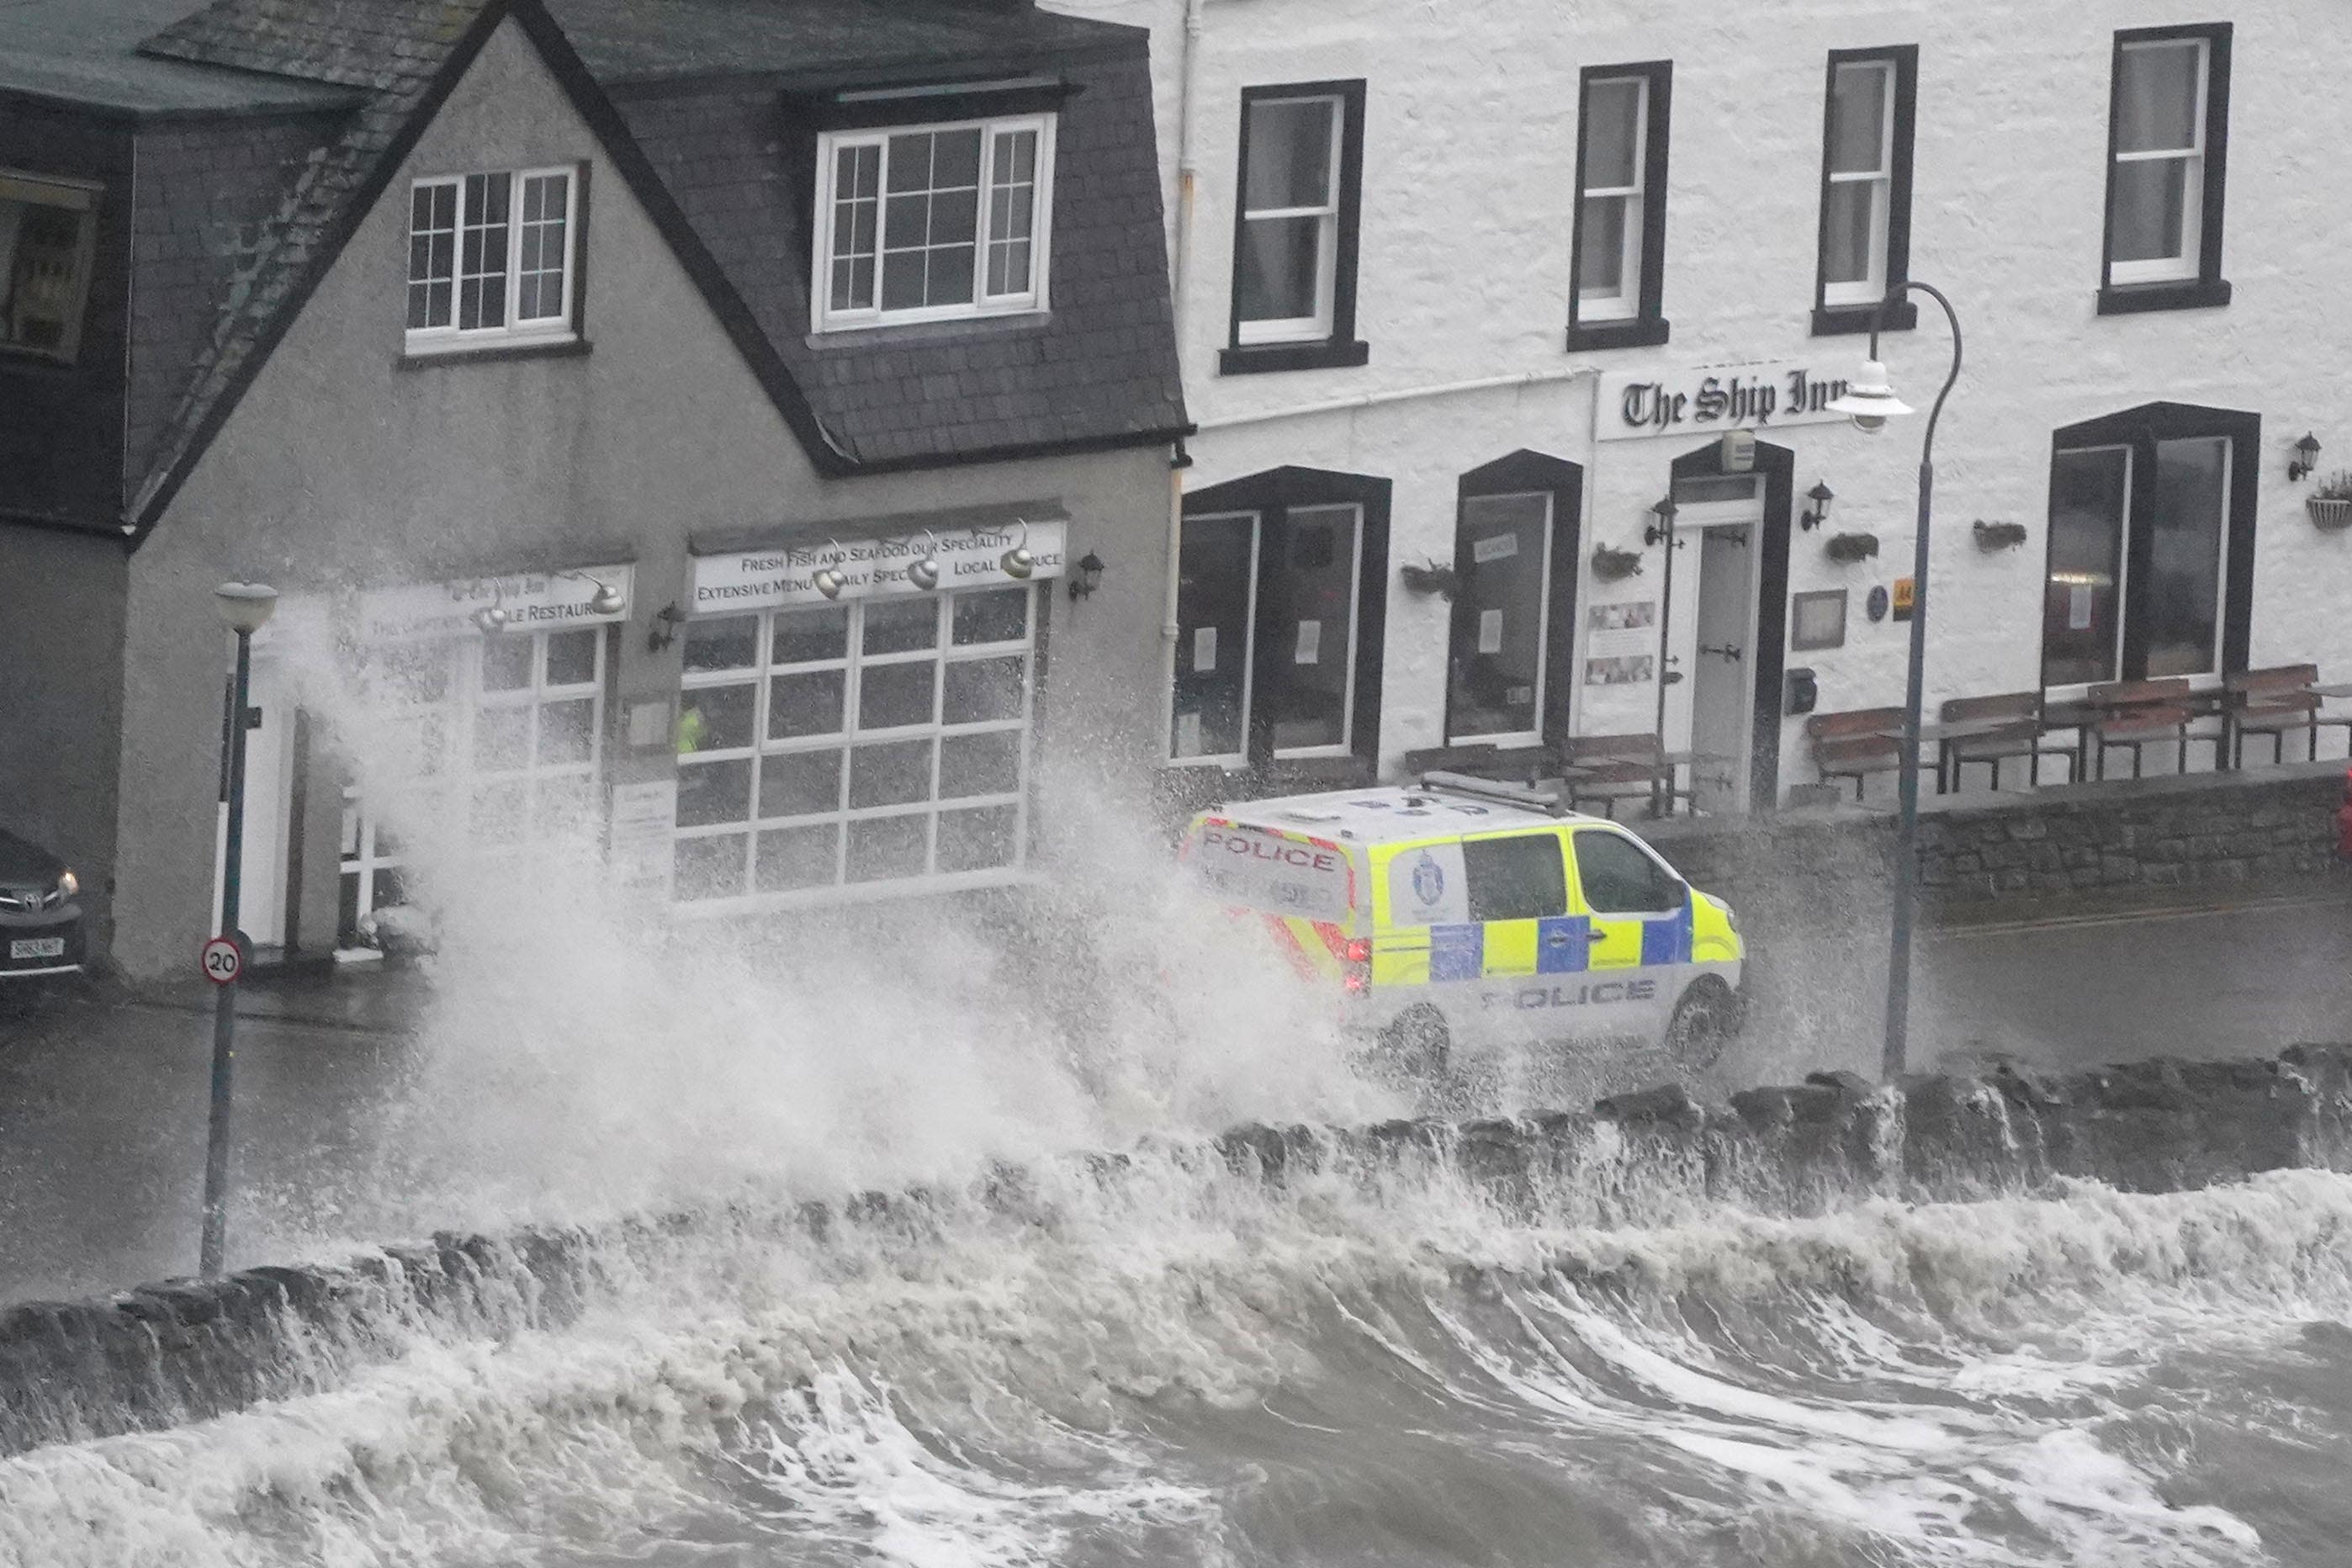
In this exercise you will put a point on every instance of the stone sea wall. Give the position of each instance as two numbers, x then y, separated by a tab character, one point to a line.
2192	830
182	1350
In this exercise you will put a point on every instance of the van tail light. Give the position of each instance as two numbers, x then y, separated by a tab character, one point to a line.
1358	957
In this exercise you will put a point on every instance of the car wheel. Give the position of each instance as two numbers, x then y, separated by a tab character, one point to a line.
1703	1021
1417	1044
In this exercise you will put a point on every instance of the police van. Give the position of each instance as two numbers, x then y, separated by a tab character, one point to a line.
1464	914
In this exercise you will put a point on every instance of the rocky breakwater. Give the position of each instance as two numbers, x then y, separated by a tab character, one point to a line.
185	1350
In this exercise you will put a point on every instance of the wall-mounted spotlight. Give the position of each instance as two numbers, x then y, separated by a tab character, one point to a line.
1821	495
1085	575
664	631
829	579
2306	458
1017	562
492	618
924	571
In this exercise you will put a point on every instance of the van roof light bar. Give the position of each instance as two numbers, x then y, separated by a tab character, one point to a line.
1527	795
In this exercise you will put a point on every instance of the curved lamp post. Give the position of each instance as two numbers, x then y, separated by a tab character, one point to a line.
1870	400
244	608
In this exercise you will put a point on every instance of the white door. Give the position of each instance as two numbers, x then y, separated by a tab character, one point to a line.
1723	672
1719	524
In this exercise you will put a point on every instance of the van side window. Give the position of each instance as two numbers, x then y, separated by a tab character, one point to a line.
1618	879
1523	877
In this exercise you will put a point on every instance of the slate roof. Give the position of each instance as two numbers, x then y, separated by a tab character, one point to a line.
85	52
691	117
399	51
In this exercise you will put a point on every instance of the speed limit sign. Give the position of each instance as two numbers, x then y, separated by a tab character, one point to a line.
221	961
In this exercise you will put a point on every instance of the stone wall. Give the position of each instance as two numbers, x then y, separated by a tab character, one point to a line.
1826	870
185	1351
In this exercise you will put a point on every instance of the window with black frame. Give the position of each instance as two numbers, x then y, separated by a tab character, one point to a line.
1514	598
2149	551
1278	622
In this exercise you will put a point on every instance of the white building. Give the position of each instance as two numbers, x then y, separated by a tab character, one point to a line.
1408	340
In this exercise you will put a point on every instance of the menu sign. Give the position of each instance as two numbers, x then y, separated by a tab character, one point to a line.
873	568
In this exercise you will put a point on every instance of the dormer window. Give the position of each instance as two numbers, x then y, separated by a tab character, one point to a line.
46	235
933	223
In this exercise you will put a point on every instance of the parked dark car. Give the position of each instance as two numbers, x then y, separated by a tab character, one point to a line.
40	920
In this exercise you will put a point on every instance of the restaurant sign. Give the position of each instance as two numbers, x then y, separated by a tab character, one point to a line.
526	601
1713	398
875	568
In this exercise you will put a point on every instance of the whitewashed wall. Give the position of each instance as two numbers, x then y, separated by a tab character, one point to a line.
1469	161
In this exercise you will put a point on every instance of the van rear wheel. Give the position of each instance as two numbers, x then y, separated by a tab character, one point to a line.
1703	1021
1417	1043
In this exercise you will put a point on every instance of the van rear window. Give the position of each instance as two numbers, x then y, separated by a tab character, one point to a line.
1266	871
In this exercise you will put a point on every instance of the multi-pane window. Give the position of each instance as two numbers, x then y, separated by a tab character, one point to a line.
1288	254
1857	186
1620	206
1269	612
1502	605
1866	141
1298	197
1609	227
930	223
503	733
2168	125
884	740
2139	553
492	255
47	229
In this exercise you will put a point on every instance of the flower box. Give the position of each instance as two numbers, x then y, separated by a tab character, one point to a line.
2330	514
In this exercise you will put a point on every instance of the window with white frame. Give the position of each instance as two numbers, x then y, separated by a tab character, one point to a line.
491	256
884	740
48	231
1501	622
505	729
1269	618
1286	263
1609	222
1858	184
934	223
2165	172
2139	559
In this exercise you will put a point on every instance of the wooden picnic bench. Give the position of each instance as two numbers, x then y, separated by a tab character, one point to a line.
1856	743
1994	730
2274	700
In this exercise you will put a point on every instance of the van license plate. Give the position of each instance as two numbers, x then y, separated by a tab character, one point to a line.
37	947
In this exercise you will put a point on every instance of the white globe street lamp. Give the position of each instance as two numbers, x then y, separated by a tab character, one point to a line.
1869	399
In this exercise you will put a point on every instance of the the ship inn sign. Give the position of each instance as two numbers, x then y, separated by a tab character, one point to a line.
1710	398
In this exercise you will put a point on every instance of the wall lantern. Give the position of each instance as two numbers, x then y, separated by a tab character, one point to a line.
1821	495
2306	458
1017	562
1662	527
664	631
1087	576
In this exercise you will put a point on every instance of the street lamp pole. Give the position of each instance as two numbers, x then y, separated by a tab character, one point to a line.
1872	402
245	606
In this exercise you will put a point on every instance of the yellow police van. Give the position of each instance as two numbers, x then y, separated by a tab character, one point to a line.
1463	914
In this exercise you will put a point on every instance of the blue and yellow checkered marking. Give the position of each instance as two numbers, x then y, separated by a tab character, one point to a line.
1457	952
1667	941
1564	944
